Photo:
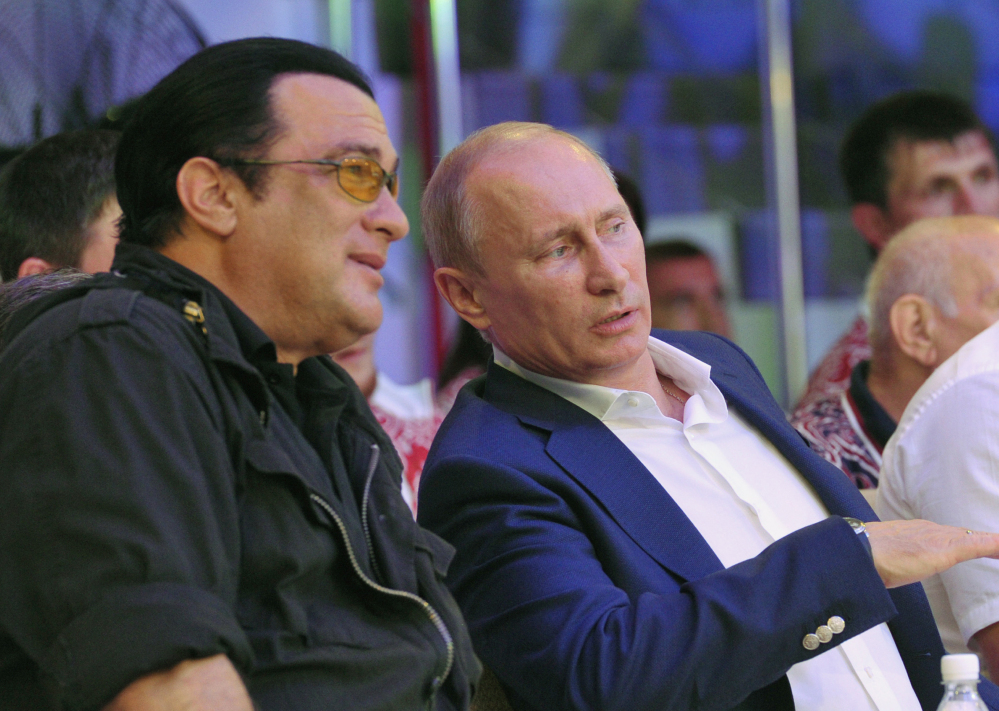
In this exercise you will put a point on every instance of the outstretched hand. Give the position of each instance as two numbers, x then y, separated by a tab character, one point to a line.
909	551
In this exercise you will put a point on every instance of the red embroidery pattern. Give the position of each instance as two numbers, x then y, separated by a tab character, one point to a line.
412	439
829	432
832	376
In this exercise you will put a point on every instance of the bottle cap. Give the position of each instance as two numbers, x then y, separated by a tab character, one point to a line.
958	667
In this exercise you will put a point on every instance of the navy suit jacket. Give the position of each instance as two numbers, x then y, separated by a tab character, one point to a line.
586	587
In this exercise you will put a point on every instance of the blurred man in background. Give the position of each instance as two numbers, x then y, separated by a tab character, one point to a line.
941	462
915	154
935	286
58	205
684	287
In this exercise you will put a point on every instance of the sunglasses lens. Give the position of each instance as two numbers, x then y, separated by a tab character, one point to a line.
361	178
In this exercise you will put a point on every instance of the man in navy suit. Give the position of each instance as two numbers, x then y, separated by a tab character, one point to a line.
637	526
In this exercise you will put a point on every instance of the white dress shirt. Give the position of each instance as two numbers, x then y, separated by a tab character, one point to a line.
742	495
942	464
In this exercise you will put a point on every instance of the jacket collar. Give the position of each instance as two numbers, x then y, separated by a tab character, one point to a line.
232	336
599	462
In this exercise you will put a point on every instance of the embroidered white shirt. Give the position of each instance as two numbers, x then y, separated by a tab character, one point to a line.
742	495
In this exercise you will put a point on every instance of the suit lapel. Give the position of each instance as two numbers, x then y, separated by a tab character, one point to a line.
598	461
583	446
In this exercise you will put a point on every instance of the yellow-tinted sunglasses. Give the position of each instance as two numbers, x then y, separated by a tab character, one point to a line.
361	178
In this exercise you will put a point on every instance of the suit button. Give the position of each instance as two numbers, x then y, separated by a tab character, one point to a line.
810	642
836	624
824	634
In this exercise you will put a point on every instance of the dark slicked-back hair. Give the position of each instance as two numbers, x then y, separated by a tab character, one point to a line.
49	196
216	105
909	116
677	248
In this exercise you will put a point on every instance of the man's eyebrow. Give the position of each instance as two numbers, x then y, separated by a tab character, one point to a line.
622	211
365	149
618	211
555	234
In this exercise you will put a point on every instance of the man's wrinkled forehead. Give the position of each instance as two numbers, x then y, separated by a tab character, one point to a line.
528	190
516	170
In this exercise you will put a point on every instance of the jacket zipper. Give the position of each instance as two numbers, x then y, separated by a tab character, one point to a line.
435	618
375	453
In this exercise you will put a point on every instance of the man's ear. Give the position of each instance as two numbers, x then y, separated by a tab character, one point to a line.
458	289
205	191
34	265
913	323
873	224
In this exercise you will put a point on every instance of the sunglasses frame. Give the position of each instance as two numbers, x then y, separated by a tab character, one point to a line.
389	180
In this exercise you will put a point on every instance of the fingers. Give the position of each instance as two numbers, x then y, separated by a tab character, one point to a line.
986	543
909	551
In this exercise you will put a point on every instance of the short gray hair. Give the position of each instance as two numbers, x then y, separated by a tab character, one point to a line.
920	260
452	224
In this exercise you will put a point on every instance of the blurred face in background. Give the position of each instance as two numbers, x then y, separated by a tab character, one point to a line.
686	295
102	238
942	178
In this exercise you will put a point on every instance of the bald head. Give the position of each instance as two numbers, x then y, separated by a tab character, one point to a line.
952	263
452	218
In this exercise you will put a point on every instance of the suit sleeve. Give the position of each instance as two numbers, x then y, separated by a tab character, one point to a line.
119	542
534	581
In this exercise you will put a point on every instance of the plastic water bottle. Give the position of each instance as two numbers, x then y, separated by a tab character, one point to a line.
960	678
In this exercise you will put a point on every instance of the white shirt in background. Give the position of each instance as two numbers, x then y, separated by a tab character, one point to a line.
942	464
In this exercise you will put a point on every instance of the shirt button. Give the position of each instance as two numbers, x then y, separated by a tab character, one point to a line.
633	401
836	624
824	634
810	642
273	379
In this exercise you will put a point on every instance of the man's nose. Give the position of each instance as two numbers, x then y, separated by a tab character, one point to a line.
605	272
386	217
964	200
973	198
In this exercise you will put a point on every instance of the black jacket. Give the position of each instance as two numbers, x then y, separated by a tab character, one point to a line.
171	492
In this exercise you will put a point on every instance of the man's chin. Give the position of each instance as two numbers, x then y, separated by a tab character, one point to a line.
339	334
